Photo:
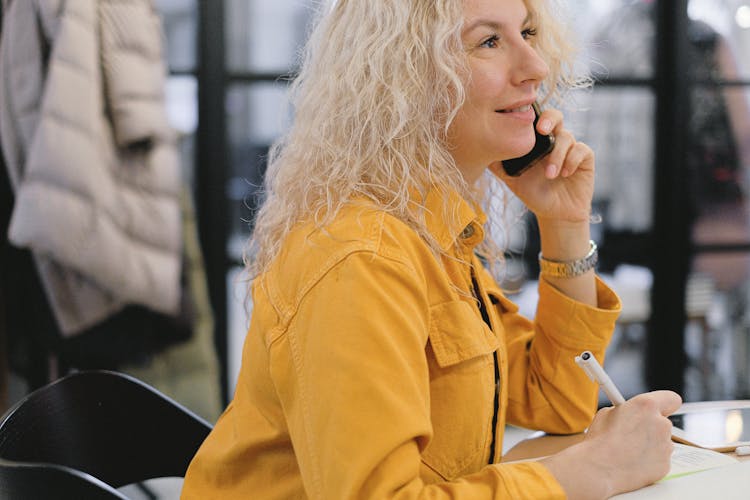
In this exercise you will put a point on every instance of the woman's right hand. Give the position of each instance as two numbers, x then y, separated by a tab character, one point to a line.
626	447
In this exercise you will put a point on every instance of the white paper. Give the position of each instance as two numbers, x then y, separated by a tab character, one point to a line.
688	459
729	480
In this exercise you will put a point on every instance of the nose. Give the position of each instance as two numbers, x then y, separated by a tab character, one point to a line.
530	67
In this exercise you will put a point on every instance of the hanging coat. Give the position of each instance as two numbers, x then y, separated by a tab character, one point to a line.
92	160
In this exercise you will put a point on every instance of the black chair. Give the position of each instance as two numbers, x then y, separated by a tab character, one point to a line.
91	432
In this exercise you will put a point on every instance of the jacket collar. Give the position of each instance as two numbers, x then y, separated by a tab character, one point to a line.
450	217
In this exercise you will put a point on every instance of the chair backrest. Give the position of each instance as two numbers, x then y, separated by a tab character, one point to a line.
104	424
32	481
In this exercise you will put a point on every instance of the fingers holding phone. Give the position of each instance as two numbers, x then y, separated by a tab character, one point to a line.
554	144
577	156
543	145
569	154
558	184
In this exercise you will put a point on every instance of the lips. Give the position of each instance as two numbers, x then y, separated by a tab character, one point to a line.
519	109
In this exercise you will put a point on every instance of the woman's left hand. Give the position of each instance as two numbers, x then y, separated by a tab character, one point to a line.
560	186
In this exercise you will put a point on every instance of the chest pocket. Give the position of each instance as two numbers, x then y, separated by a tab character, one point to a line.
462	384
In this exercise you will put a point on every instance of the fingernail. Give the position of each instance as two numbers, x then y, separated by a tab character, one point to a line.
551	171
545	126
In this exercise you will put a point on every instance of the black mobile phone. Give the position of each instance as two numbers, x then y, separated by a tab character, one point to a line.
542	146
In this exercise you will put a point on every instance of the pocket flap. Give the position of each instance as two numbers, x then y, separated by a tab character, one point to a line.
457	334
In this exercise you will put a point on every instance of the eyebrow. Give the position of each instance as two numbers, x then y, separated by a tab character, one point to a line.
493	25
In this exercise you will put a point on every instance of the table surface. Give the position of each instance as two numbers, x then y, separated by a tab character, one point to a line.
547	444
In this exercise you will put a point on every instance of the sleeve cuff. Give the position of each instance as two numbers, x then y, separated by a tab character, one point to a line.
576	324
529	480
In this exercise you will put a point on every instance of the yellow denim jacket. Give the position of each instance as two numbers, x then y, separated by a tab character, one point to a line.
369	372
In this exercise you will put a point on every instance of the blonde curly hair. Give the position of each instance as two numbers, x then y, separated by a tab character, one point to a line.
378	87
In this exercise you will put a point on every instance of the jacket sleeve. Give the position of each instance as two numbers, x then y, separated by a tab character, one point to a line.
352	377
547	389
134	71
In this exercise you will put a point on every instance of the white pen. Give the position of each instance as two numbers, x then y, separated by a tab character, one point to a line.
594	370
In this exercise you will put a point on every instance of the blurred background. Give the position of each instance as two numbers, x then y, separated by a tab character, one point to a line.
667	117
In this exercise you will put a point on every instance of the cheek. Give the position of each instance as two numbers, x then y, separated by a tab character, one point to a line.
483	95
479	105
458	130
469	119
486	86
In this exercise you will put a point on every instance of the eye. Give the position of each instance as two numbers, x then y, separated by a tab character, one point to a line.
528	33
490	42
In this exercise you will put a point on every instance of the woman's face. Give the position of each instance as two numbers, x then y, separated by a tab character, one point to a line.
496	120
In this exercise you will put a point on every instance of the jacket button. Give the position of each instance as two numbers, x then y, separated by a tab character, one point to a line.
468	231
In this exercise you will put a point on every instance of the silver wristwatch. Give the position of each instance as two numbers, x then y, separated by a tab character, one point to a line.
571	268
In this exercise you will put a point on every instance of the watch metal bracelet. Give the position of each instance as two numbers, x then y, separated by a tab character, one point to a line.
569	269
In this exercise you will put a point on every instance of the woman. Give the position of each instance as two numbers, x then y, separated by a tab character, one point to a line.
382	360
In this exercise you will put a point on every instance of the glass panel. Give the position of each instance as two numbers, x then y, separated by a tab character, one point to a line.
179	21
718	331
718	152
618	124
725	26
182	111
264	36
620	38
257	114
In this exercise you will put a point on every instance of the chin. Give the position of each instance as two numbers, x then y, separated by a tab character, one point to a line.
518	151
